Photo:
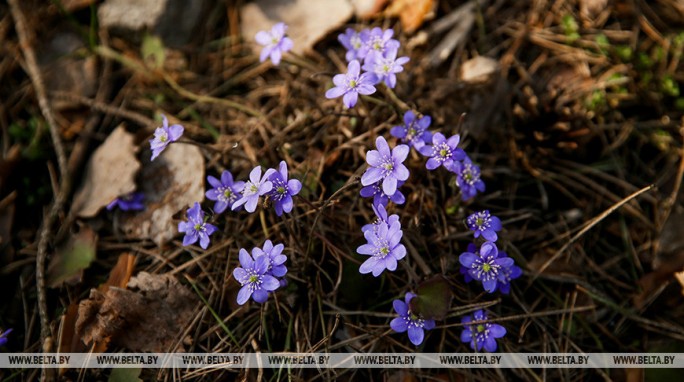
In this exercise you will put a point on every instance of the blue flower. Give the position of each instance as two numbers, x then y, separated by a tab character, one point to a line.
379	197
350	85
163	136
3	337
385	66
468	179
382	217
506	274
485	265
351	40
254	188
377	40
275	43
129	202
283	190
483	223
254	277
414	131
409	321
386	166
196	228
481	335
443	152
225	191
384	248
276	260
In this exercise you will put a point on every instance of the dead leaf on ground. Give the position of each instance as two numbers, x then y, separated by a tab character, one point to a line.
307	21
367	8
479	69
110	173
412	13
70	261
173	182
149	318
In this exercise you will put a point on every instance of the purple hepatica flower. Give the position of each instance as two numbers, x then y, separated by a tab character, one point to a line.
283	190
484	224
254	277
275	43
382	217
386	166
130	202
379	197
351	40
414	131
503	283
350	85
276	260
254	188
385	66
377	40
481	335
443	152
225	191
408	320
163	136
384	248
486	265
195	228
468	179
3	337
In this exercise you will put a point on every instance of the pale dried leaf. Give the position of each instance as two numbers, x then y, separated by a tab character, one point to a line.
367	8
479	69
171	183
150	319
308	21
110	173
412	13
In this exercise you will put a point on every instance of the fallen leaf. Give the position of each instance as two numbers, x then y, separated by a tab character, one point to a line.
152	51
367	8
125	375
307	21
109	174
149	318
69	262
479	69
412	13
174	181
433	298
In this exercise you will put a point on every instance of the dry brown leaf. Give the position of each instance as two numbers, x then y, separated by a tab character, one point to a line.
174	181
149	319
368	8
308	21
110	173
412	13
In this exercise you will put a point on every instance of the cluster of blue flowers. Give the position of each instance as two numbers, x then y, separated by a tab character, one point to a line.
386	173
261	272
378	51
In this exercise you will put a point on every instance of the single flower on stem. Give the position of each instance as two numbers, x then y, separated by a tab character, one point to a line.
483	223
351	40
414	132
481	335
386	165
283	190
384	248
163	136
350	85
443	152
376	40
254	277
196	228
379	197
486	265
130	202
225	191
468	178
254	188
275	43
409	321
385	66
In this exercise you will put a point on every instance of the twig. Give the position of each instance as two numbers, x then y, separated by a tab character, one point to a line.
589	226
60	197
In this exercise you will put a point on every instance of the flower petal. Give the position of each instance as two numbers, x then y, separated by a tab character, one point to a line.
243	295
369	265
270	283
400	307
372	175
399	324
416	335
400	153
389	185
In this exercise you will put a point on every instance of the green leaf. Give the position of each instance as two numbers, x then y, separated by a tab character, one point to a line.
72	259
152	51
433	298
125	375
